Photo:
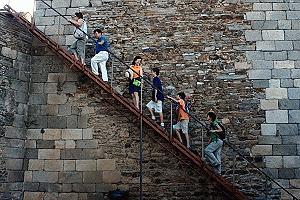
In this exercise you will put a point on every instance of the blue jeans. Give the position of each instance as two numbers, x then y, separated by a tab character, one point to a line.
213	154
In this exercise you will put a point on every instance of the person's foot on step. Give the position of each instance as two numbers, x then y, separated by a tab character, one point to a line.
153	117
162	124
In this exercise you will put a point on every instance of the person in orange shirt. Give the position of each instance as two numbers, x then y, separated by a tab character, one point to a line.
183	118
135	82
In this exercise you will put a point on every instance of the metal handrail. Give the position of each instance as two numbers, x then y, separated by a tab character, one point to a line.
193	117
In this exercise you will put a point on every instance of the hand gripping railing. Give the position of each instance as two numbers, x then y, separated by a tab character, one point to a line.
174	142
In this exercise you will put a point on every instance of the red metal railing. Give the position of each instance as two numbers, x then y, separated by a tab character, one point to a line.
228	188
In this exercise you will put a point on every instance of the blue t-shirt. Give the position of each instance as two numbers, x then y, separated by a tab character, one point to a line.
157	85
104	46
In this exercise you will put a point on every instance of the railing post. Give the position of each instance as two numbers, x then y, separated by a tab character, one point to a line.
233	169
171	128
141	141
112	74
202	143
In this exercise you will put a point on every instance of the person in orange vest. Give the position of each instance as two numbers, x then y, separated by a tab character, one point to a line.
183	118
135	82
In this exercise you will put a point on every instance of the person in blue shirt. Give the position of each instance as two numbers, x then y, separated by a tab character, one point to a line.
157	97
101	57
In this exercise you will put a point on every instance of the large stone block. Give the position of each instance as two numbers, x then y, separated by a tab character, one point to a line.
254	55
86	144
280	55
291	139
38	99
273	34
262	64
72	134
255	16
287	104
276	93
57	99
80	3
261	150
45	144
52	134
56	77
106	164
262	6
72	121
291	161
84	188
277	116
35	164
14	164
259	74
253	35
294	116
61	3
71	154
292	15
87	134
284	150
274	162
37	87
265	45
33	195
11	152
70	177
284	64
64	109
269	104
268	129
57	122
269	139
51	88
44	21
111	176
292	34
294	93
275	15
264	25
69	165
260	83
93	177
53	165
287	129
51	12
15	176
297	82
49	154
44	177
293	55
286	83
281	73
284	25
280	6
295	73
86	165
274	83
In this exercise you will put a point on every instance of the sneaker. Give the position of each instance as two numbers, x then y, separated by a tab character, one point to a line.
153	117
162	124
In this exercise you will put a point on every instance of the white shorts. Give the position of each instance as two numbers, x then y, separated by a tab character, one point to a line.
183	125
156	106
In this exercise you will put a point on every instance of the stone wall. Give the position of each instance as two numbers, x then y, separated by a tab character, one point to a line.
275	63
15	47
202	53
82	144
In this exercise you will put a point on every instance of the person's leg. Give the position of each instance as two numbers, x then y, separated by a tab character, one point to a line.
150	107
209	153
137	99
104	56
94	64
81	50
176	127
185	131
73	49
158	109
217	154
133	99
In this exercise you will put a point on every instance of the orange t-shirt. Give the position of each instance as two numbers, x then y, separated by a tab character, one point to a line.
182	115
137	69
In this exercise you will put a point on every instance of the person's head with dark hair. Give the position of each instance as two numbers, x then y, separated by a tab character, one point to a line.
181	95
137	60
211	116
155	71
97	33
79	15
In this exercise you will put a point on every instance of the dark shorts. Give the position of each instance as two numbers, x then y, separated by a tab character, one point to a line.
134	88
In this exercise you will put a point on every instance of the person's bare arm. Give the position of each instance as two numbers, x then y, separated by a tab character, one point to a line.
77	23
218	130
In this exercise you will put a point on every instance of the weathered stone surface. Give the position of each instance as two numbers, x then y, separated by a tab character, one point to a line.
287	104
72	134
56	99
259	74
268	129
274	161
276	93
53	165
49	154
70	177
291	161
277	116
44	177
93	177
284	150
85	165
287	129
111	177
260	150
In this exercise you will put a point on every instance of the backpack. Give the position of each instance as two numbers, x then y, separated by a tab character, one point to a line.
188	106
81	34
222	135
